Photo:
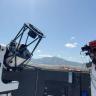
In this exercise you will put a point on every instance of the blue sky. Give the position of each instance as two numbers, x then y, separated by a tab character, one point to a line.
67	24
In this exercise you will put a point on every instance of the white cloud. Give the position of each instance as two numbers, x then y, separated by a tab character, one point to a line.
71	45
45	55
40	54
38	51
58	55
70	57
72	38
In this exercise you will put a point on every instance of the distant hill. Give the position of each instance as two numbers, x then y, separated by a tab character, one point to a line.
55	61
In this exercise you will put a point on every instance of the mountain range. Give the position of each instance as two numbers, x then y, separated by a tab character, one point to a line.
55	61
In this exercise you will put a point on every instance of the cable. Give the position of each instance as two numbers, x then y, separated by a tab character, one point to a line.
83	63
82	58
